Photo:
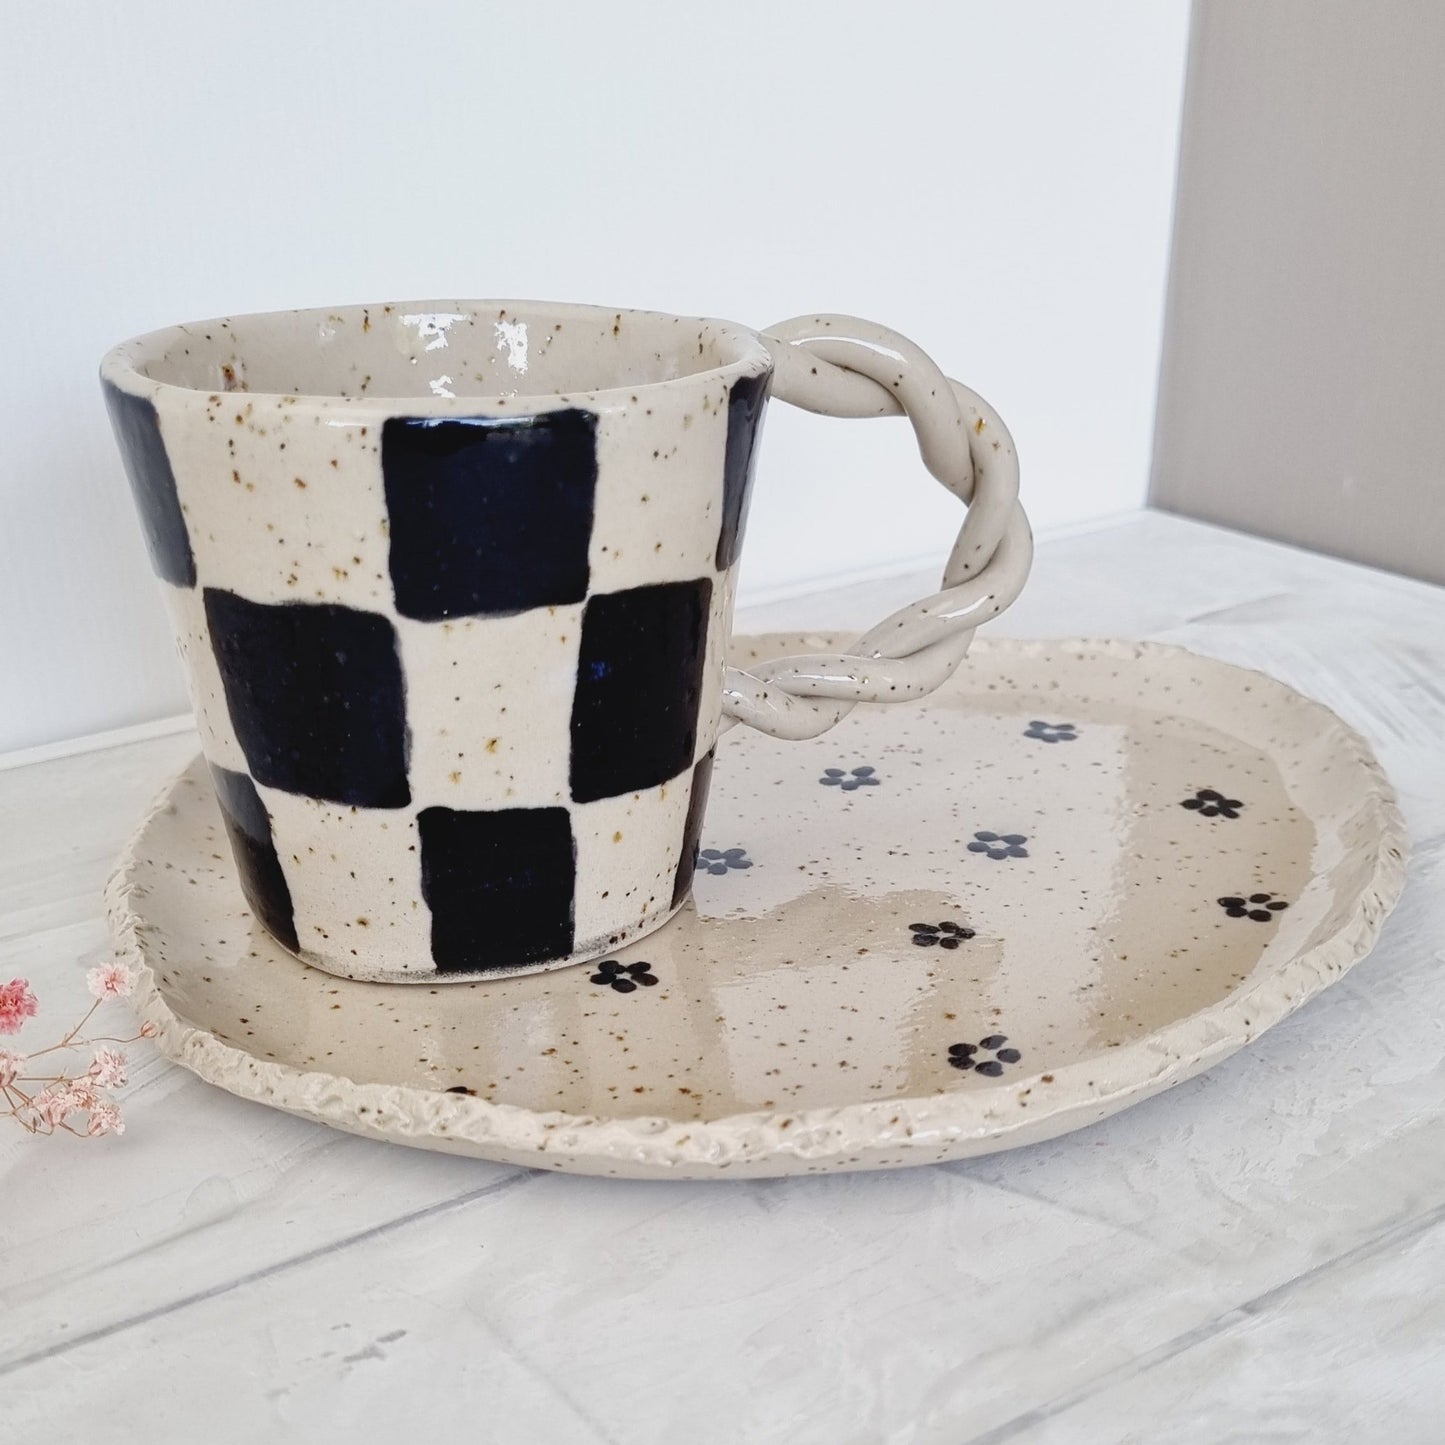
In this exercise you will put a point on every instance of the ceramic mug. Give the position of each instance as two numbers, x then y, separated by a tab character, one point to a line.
452	583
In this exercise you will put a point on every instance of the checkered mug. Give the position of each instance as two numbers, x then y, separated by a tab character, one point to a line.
452	583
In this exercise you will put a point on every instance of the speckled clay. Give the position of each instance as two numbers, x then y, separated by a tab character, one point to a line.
1076	875
453	583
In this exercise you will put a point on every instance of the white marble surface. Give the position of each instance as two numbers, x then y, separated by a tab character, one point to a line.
1258	1255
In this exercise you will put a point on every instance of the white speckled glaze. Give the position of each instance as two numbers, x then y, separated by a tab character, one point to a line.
257	449
1161	802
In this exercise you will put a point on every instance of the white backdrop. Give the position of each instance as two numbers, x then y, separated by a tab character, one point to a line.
993	179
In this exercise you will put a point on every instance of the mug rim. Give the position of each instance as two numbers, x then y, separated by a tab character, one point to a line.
123	365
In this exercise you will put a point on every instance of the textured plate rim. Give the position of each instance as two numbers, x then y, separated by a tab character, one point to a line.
944	1125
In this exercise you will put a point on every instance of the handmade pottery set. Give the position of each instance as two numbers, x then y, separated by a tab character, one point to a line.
453	584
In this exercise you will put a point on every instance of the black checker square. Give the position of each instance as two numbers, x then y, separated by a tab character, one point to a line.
316	697
639	686
489	516
248	826
500	885
692	829
747	401
137	431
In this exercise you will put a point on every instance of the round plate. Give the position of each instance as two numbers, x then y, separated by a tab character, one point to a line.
1077	874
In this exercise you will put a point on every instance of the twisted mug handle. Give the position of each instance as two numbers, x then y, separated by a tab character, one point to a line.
847	367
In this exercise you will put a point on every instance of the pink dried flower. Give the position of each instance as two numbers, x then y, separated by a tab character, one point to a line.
55	1103
110	980
105	1118
108	1069
17	1004
76	1105
148	1030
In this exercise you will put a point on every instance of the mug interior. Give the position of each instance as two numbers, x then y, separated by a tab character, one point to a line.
430	349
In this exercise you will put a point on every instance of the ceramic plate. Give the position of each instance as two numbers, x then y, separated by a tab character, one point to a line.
1078	874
